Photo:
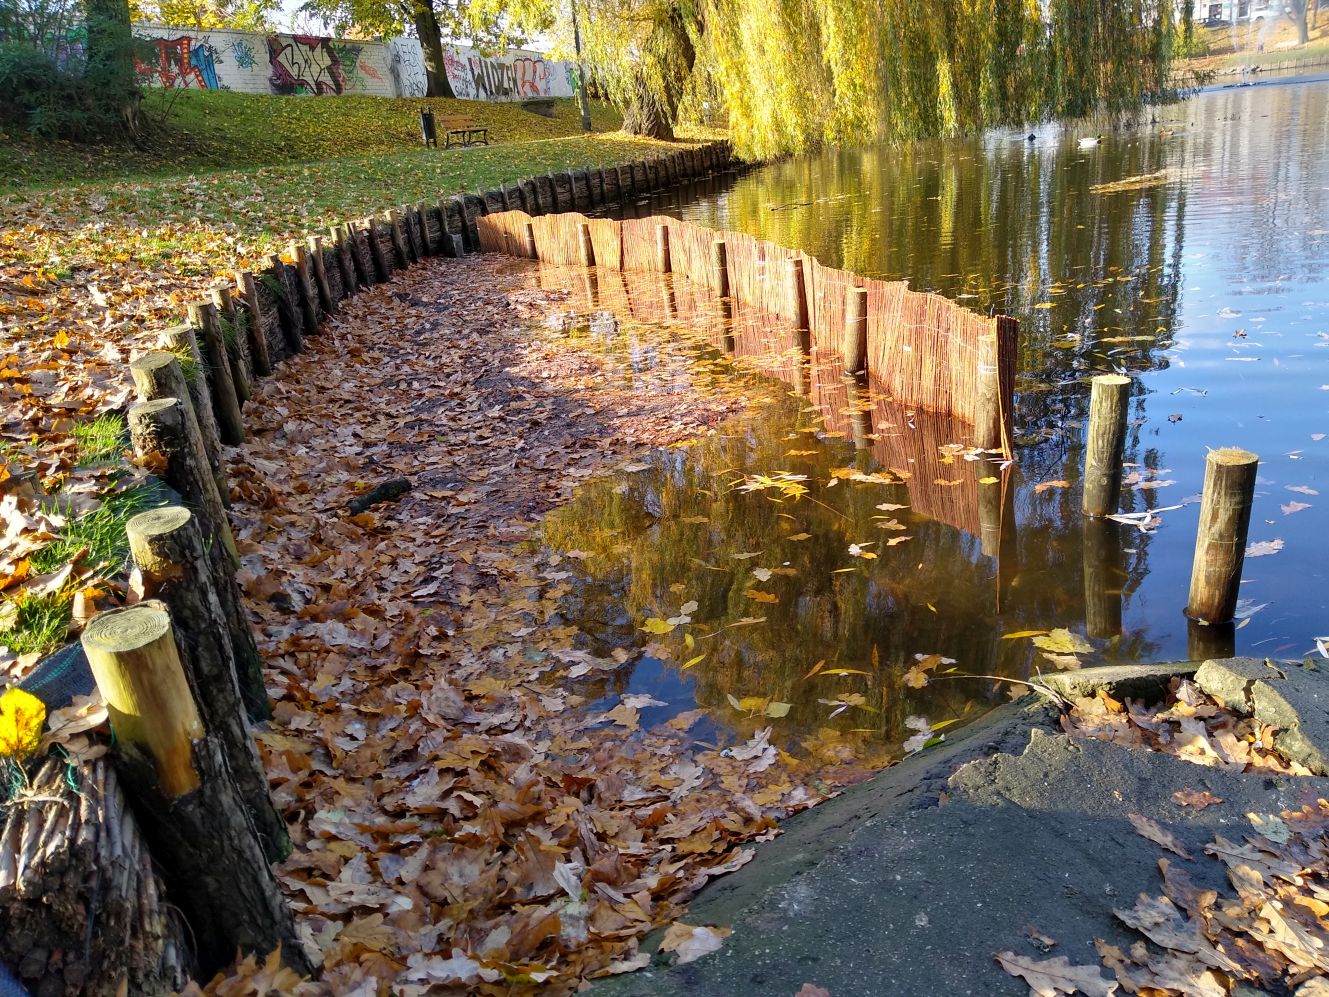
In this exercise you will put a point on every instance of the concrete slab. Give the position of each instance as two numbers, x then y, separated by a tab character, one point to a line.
1290	696
910	883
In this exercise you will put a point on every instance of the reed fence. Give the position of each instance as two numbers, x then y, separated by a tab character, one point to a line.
923	349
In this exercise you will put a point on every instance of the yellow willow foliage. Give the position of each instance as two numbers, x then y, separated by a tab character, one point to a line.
794	74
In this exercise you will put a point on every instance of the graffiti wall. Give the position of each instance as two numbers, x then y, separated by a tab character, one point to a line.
513	75
179	58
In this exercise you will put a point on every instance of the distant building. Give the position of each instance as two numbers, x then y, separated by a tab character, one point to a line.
1231	11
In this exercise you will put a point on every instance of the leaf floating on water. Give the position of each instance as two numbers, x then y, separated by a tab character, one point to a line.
897	540
1062	641
1045	485
1056	977
1302	489
1264	547
762	574
777	710
692	661
1022	633
756	595
655	625
1294	506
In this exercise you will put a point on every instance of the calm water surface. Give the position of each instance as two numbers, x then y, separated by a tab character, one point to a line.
1189	253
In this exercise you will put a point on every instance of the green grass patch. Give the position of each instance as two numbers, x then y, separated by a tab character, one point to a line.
103	439
36	623
198	130
101	532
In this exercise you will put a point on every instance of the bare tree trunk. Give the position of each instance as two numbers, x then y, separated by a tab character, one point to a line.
1296	12
431	42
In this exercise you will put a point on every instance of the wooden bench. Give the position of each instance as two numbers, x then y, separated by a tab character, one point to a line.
463	132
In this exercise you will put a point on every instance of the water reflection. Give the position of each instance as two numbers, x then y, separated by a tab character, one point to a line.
1189	253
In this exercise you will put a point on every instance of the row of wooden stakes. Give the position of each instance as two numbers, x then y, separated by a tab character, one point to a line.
180	669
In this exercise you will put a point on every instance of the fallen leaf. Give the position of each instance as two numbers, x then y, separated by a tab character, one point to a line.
1155	832
1194	798
1056	977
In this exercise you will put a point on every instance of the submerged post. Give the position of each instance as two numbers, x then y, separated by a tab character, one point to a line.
1107	437
586	247
798	295
855	348
662	260
1103	577
1220	543
720	268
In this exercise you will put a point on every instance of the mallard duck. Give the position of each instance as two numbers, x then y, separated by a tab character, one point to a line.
1086	143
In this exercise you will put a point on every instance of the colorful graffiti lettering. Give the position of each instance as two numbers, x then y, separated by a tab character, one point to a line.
532	77
243	53
513	78
304	64
177	63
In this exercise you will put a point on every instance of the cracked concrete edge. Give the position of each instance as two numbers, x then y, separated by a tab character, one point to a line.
1231	680
1136	681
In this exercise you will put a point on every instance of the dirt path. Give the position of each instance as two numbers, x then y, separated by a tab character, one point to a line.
461	817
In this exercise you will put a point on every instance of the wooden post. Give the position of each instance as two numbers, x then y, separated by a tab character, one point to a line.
364	268
392	219
380	260
1107	439
855	347
662	261
225	401
258	341
345	264
162	375
1220	543
164	427
531	249
719	268
237	342
988	421
587	247
289	308
423	211
315	247
192	813
798	295
308	298
409	221
1103	577
167	546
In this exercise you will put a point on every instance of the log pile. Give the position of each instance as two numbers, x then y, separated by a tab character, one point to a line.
80	906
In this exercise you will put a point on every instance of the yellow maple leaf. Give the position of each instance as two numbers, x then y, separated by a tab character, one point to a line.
21	718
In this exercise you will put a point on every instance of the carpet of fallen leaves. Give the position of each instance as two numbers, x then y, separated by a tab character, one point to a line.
1189	724
90	275
463	818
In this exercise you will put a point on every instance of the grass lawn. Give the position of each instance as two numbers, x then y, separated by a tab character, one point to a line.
1230	47
101	247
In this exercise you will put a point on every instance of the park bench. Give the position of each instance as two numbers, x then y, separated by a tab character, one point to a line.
463	131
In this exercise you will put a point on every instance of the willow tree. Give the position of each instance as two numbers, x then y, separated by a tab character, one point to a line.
795	74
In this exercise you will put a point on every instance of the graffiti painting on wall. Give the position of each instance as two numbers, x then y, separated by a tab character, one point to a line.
514	77
243	53
305	64
179	63
408	67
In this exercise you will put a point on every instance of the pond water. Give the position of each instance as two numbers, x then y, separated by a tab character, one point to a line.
1189	253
